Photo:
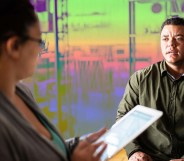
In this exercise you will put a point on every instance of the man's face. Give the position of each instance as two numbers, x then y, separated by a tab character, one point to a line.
172	44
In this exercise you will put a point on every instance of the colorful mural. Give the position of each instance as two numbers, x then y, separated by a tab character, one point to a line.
80	88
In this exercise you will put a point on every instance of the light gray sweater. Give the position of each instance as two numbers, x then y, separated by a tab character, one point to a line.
18	139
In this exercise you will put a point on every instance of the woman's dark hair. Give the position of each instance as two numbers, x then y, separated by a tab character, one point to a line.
15	17
178	21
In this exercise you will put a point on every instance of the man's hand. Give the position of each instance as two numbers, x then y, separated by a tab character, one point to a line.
177	159
140	156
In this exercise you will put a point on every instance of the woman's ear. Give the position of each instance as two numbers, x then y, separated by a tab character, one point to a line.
12	46
16	45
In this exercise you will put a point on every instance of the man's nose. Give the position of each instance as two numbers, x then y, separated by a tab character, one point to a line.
172	43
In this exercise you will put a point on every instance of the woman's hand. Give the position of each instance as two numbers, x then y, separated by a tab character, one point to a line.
86	149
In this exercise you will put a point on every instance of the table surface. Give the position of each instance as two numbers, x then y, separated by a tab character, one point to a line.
120	156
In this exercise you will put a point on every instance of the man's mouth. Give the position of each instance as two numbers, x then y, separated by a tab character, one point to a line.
172	52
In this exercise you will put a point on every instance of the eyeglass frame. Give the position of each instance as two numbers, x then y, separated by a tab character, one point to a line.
40	41
26	37
23	38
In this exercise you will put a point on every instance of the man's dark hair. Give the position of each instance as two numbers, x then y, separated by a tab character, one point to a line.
15	17
178	21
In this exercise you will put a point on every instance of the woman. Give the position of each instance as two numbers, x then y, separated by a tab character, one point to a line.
25	133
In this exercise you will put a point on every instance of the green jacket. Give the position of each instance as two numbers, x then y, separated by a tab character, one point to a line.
155	87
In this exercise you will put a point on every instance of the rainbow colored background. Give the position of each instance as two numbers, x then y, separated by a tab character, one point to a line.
80	88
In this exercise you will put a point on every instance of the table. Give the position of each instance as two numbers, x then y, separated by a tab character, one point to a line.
120	156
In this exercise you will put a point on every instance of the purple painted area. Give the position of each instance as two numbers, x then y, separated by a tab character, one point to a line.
98	111
156	8
40	6
182	7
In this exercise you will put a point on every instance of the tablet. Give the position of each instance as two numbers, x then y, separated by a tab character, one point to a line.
127	128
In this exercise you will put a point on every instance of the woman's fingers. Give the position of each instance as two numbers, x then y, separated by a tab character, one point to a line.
99	150
89	149
94	136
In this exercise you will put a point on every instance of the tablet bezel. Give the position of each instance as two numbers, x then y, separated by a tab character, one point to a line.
143	109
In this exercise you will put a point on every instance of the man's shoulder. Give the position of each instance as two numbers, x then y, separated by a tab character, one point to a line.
150	69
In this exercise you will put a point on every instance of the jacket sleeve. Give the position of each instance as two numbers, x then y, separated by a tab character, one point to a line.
8	151
129	101
72	143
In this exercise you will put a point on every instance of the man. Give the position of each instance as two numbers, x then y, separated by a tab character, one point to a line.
160	86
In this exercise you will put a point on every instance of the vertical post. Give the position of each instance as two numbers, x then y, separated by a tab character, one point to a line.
57	65
132	36
47	5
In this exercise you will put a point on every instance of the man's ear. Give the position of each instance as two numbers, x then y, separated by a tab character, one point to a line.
12	46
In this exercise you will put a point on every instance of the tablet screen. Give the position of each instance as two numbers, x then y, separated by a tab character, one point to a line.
126	129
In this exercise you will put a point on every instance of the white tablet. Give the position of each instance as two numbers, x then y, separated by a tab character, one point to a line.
127	128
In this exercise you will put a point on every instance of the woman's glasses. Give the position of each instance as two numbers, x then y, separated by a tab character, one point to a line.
40	41
22	38
25	38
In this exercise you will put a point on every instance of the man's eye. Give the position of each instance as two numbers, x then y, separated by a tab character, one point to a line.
180	39
165	39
